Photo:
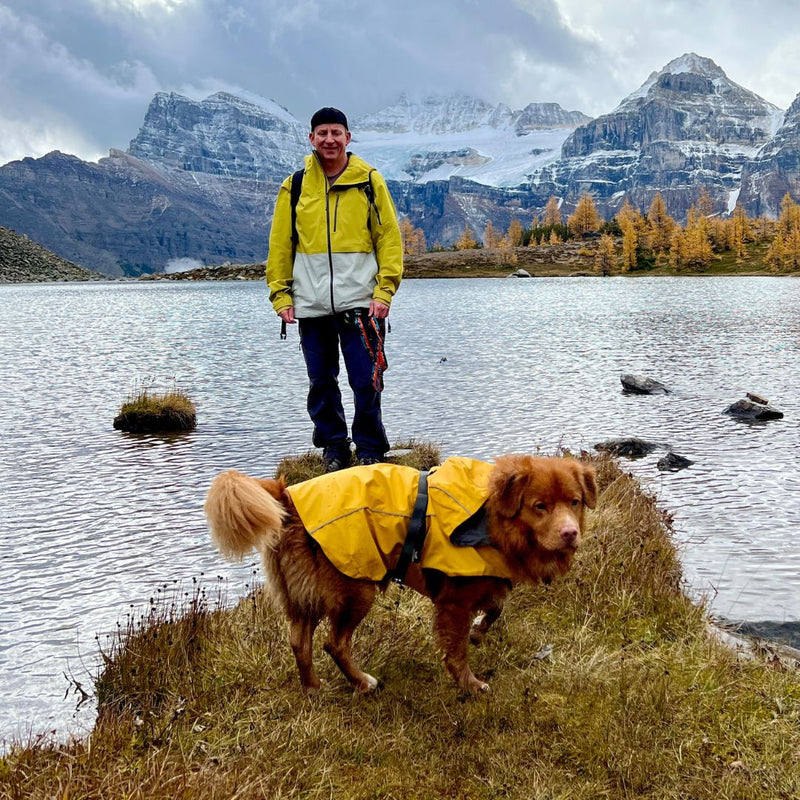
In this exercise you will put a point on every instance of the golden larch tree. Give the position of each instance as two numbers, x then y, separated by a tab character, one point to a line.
661	224
705	204
776	253
630	245
514	234
605	257
585	218
552	215
467	240
490	237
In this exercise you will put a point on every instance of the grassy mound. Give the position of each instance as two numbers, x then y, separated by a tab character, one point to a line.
157	412
634	700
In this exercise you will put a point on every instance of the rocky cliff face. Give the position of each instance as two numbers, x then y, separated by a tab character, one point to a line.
775	170
24	261
222	135
687	127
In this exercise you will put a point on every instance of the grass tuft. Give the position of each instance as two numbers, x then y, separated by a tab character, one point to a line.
605	684
146	411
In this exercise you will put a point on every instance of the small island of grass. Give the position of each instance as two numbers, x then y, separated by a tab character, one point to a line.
146	411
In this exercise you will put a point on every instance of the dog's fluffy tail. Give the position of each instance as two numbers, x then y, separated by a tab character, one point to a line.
242	514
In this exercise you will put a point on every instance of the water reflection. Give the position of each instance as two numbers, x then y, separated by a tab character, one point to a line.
94	521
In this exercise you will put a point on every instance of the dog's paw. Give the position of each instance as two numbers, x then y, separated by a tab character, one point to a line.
369	684
476	636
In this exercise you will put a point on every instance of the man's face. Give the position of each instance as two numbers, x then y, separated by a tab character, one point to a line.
330	141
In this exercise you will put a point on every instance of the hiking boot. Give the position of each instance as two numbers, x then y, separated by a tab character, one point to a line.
335	461
365	461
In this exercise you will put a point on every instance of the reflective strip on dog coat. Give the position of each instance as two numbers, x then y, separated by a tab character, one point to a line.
360	517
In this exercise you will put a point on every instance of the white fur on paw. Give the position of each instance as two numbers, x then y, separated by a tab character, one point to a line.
372	684
483	688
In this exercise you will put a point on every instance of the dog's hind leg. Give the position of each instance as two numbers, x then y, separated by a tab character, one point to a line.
484	621
451	625
344	621
301	638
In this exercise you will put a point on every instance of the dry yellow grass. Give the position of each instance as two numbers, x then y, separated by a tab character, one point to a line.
635	700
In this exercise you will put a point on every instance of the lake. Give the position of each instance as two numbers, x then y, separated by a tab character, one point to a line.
95	522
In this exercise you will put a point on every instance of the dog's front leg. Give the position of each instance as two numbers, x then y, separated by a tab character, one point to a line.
451	625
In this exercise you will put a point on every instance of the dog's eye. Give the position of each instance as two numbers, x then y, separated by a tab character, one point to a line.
541	506
575	502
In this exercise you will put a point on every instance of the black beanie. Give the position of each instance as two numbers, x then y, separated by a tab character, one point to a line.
329	116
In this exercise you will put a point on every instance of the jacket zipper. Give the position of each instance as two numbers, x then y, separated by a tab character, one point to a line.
328	231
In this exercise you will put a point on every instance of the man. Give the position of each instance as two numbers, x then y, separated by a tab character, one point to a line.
335	271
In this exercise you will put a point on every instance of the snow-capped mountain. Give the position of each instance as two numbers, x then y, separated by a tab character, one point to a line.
200	178
775	170
440	137
688	126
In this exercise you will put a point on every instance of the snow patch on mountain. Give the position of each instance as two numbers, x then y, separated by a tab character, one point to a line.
492	156
439	137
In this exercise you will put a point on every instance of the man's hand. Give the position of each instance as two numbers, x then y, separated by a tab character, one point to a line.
287	315
378	310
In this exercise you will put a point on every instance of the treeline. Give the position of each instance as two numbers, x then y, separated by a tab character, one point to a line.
636	240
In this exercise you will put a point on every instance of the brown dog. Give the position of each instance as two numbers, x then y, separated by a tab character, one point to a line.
534	515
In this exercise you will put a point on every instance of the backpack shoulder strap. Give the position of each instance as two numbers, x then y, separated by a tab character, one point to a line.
369	191
294	197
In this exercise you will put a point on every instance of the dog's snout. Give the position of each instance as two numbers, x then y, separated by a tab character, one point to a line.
569	535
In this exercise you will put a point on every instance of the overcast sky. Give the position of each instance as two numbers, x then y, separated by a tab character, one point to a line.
77	75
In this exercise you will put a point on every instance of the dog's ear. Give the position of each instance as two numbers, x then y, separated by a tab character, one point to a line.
508	489
586	476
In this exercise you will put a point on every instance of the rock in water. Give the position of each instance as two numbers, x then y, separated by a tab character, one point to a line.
640	384
752	412
630	447
672	462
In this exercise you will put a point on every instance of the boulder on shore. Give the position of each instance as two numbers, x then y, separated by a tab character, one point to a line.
640	384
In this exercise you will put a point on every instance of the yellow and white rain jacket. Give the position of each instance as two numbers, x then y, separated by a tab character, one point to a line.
349	250
360	517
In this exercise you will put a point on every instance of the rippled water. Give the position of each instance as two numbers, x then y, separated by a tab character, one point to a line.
93	522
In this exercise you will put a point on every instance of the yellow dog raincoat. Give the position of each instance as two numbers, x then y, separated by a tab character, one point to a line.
360	517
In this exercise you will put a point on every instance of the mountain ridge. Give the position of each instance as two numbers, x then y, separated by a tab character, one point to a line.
199	179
